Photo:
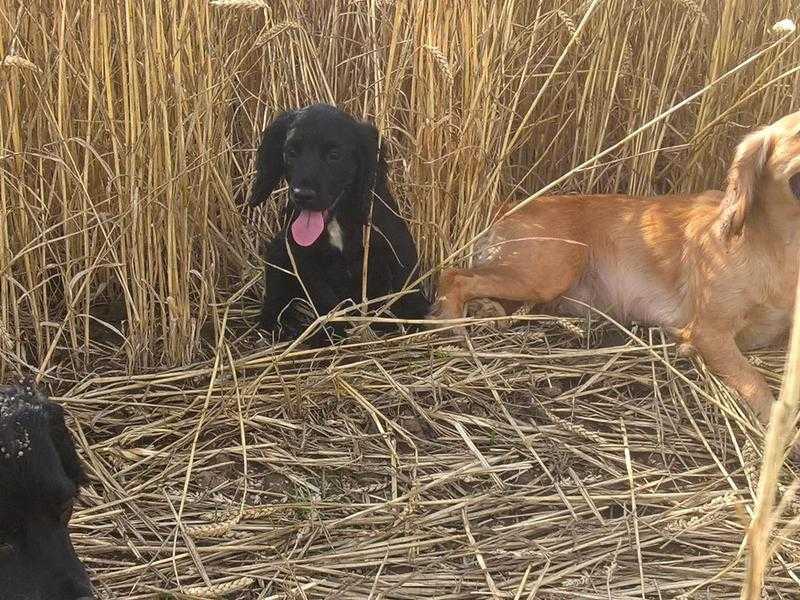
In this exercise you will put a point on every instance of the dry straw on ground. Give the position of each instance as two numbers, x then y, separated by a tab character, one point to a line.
556	459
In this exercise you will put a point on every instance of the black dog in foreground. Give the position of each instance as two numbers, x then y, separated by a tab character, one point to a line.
39	479
337	184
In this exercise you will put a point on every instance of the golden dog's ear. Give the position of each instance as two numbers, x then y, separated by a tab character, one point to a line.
743	177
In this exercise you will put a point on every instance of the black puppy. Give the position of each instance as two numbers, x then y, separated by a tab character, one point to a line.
337	184
39	479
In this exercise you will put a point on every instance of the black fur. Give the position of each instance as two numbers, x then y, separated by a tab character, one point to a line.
40	475
332	162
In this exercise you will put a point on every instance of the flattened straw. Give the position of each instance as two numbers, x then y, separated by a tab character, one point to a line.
479	557
632	487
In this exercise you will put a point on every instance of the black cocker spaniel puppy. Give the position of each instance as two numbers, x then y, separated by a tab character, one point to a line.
40	475
336	172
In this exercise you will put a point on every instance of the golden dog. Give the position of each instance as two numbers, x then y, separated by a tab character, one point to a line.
717	269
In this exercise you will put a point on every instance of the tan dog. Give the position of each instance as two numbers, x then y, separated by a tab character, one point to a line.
718	269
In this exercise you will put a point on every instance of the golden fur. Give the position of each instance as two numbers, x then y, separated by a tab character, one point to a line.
718	269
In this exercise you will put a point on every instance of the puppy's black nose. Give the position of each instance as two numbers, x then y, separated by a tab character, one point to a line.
304	196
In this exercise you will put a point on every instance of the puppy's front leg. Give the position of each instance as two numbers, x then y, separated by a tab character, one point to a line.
386	276
325	298
413	305
280	287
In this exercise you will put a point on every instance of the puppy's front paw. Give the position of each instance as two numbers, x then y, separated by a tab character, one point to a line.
684	347
434	310
268	318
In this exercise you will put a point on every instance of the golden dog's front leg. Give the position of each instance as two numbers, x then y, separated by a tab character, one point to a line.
724	358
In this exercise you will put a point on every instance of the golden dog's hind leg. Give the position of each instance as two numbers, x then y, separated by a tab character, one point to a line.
457	287
537	280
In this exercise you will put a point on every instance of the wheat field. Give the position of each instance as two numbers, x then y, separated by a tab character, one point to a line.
557	459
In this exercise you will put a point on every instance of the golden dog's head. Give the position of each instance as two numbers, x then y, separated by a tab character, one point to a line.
764	176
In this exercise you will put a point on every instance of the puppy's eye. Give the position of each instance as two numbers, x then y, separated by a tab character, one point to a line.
291	153
334	154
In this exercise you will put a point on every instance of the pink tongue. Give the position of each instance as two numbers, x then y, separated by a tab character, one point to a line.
308	226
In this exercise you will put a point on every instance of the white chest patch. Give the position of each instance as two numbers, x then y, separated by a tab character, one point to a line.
335	234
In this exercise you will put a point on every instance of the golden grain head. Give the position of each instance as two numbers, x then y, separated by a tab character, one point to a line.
273	32
220	590
693	7
567	21
211	530
19	63
441	61
784	27
240	3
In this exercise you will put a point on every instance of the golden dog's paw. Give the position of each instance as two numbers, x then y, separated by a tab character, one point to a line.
686	350
484	308
683	347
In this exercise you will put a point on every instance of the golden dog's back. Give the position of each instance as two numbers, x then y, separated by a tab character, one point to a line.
625	246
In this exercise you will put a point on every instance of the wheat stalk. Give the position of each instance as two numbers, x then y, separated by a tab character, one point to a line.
781	431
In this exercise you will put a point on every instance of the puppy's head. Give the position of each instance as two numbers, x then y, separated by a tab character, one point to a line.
329	160
765	174
39	479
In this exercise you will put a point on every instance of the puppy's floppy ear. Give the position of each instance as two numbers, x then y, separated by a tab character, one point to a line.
371	168
743	177
63	443
270	167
